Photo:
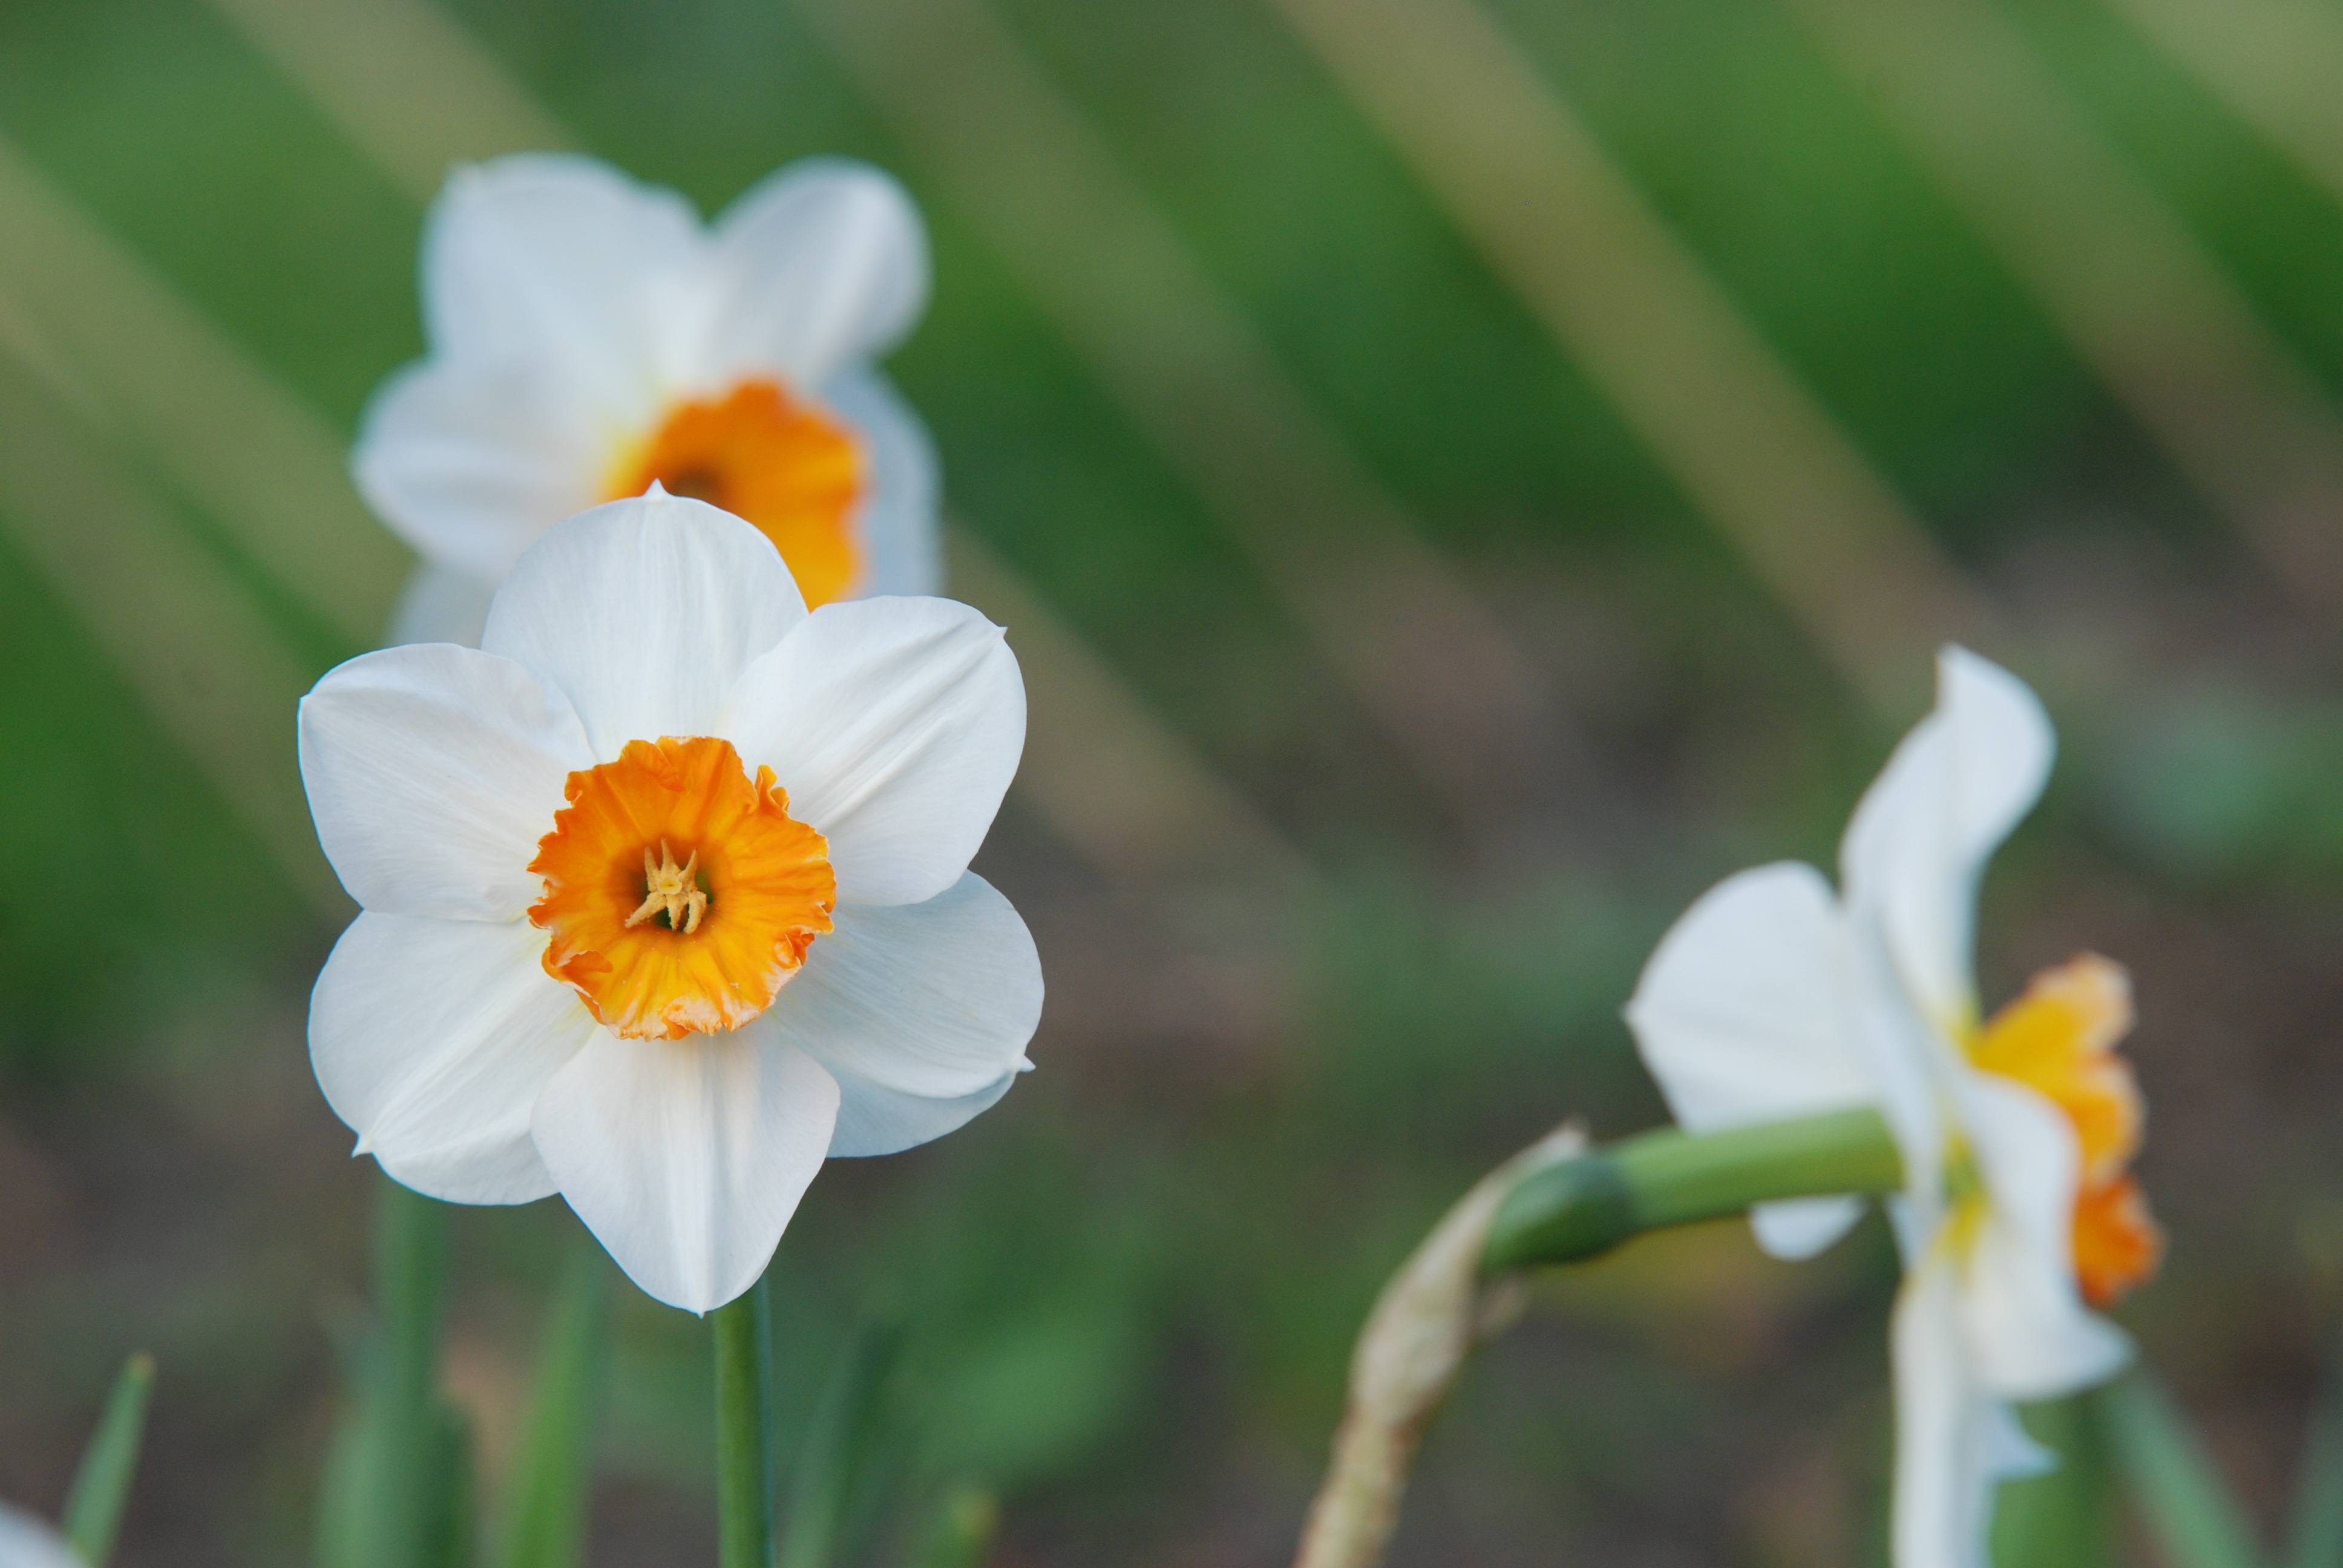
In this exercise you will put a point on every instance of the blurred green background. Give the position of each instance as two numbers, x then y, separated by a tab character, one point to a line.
1463	476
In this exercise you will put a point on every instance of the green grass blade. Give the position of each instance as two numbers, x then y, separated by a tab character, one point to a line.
546	1525
2189	1509
396	1479
446	1538
2316	1538
834	1457
102	1485
960	1536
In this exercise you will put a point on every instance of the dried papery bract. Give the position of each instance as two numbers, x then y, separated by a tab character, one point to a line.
1424	1326
1558	1201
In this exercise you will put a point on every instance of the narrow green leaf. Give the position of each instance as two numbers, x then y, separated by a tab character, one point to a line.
546	1525
961	1534
2316	1540
446	1539
2189	1510
832	1460
344	1505
398	1477
102	1485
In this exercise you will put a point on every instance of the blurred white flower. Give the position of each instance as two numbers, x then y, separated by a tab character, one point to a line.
518	1012
29	1542
588	336
1774	998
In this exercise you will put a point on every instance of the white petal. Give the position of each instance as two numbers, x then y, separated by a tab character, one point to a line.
895	725
1741	1016
470	463
28	1543
1801	1227
687	1158
1918	843
823	263
2029	1334
1909	1064
432	771
2007	1450
875	1121
936	999
441	604
1948	1432
645	612
1741	1012
902	544
432	1040
565	265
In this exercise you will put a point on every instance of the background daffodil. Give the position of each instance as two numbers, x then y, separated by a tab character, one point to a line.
1774	996
518	1011
588	336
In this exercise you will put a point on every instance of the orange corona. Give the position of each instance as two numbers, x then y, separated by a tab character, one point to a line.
2059	1038
763	456
657	947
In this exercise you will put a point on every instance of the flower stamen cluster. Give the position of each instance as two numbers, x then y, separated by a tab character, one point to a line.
674	891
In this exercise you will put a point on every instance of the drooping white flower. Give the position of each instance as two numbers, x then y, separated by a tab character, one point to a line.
655	725
588	336
29	1542
1775	998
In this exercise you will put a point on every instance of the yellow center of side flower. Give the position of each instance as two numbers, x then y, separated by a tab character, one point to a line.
656	948
763	456
2058	1039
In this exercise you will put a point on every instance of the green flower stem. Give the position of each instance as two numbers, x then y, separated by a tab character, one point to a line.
1579	1207
744	1501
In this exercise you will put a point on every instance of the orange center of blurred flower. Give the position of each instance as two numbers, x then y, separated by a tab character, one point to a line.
2059	1038
659	948
761	455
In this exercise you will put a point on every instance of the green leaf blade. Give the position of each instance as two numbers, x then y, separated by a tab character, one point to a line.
101	1488
2189	1509
546	1527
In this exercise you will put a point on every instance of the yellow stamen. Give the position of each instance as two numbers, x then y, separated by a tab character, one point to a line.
674	891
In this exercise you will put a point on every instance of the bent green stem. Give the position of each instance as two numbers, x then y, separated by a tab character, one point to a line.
744	1503
1577	1208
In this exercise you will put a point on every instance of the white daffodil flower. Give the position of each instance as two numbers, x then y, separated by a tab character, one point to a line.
665	890
29	1542
589	336
1776	997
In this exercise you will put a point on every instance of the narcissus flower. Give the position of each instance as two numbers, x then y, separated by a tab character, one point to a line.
588	336
1775	998
665	890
